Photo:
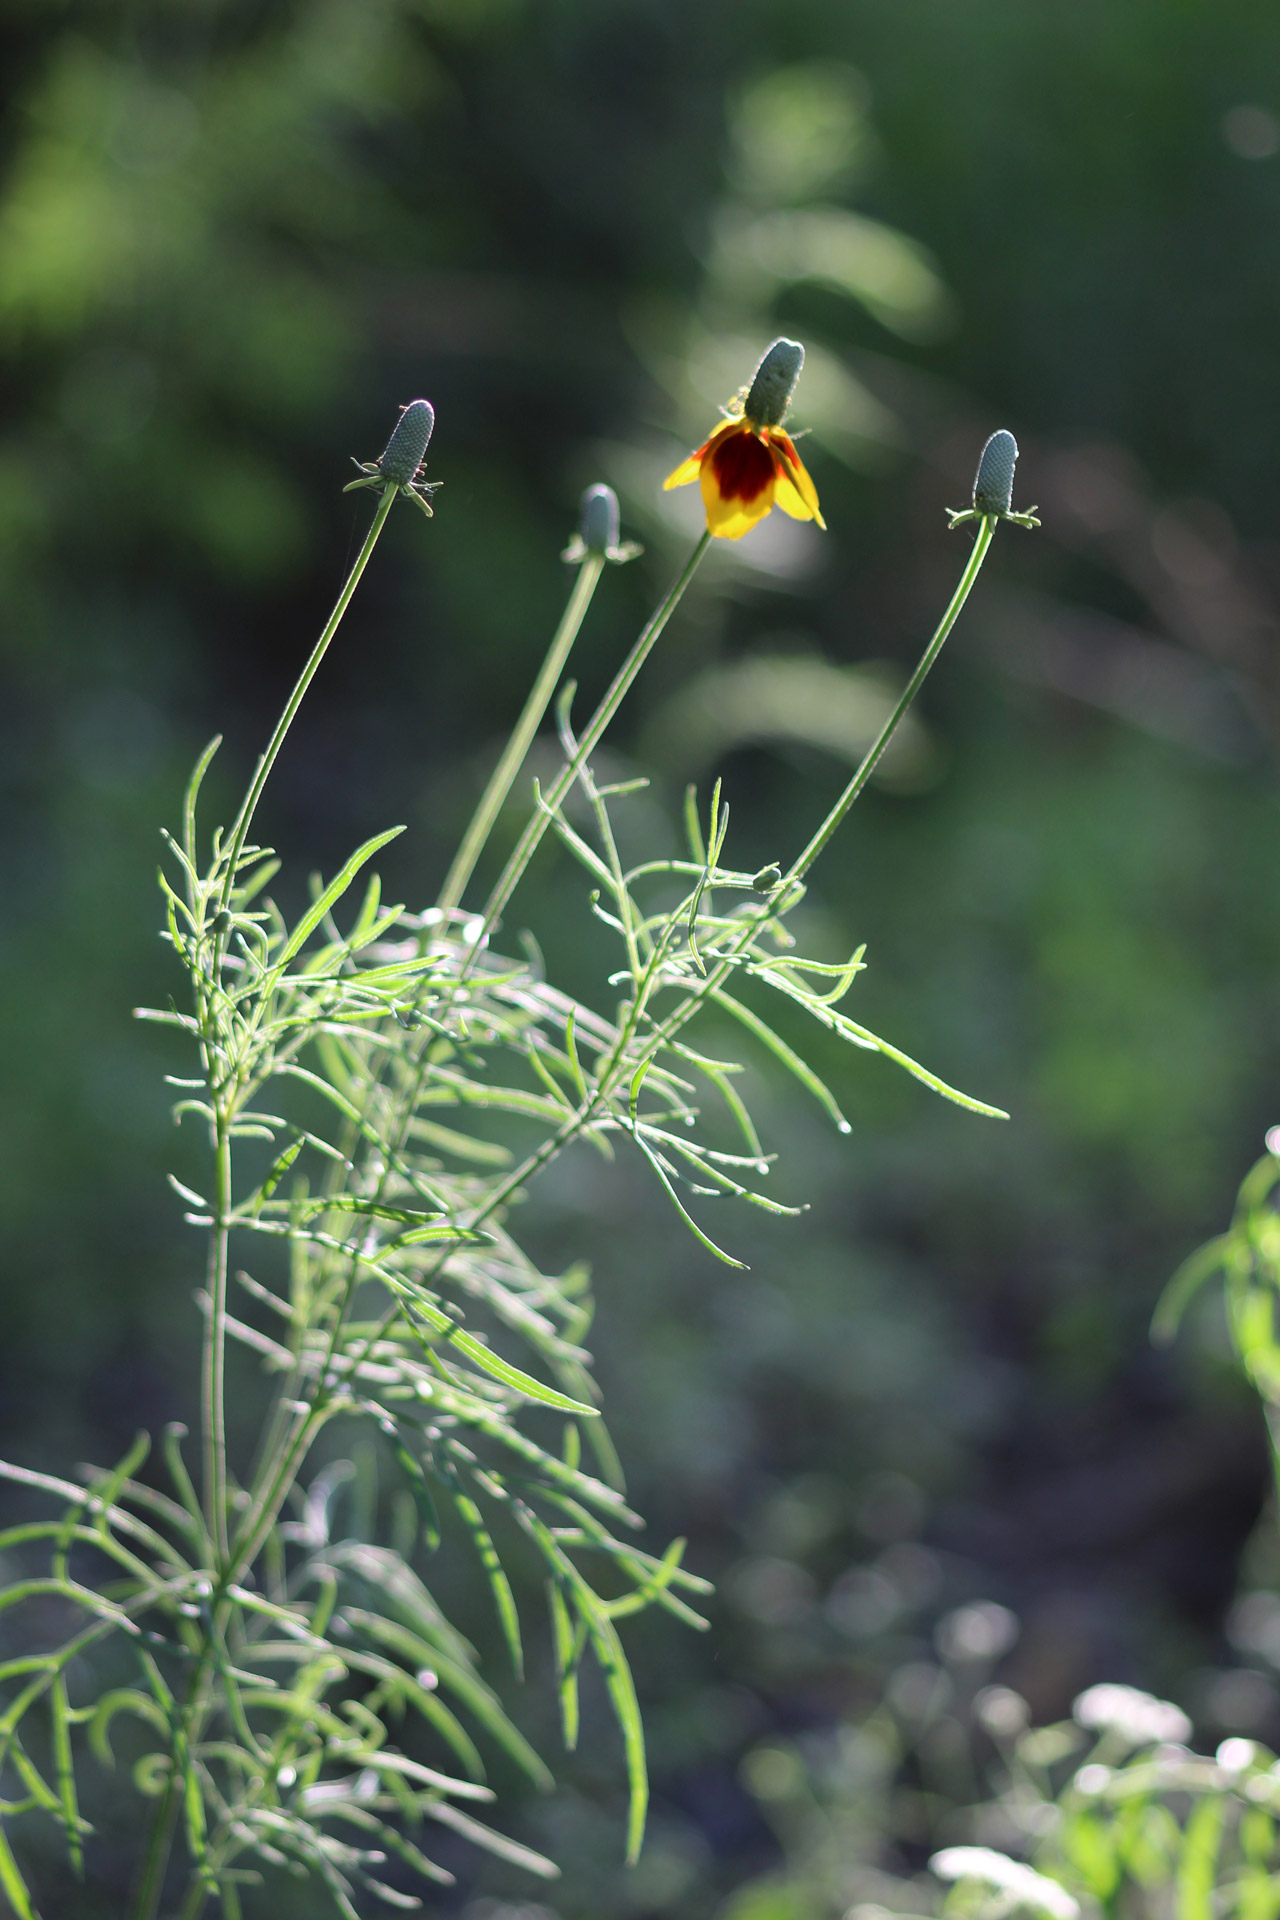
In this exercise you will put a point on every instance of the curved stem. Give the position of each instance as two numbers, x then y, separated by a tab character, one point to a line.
783	894
801	865
249	805
504	774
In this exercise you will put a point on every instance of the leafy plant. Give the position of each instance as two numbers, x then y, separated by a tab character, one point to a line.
378	1085
1109	1811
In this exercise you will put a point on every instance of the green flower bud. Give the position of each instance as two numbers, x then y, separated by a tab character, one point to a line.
993	484
598	528
599	523
769	394
408	443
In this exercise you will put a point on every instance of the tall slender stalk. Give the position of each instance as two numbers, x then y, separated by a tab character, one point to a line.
803	861
513	755
784	892
215	1346
249	805
215	1340
599	722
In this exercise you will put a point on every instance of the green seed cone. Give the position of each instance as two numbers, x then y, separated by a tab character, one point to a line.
408	443
993	484
770	392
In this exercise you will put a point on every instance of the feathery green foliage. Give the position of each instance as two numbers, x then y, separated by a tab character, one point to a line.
378	1085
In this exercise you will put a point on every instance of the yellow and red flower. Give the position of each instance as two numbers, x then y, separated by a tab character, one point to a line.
750	464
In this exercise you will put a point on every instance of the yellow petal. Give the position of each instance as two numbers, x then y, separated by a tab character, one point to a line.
786	497
684	473
730	519
797	475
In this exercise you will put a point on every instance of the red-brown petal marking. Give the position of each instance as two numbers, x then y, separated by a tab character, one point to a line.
743	466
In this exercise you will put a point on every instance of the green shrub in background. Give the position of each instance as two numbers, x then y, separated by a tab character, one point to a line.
1110	1812
266	1632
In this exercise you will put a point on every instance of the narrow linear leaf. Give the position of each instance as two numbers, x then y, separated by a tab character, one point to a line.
702	1238
418	1486
617	1674
13	1883
192	794
65	1771
500	1587
492	1842
482	1357
122	1700
566	1650
1185	1284
622	1692
930	1080
326	901
514	1377
789	1058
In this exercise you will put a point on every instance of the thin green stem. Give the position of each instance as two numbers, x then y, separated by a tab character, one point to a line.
249	805
801	865
165	1821
215	1338
215	1348
162	1827
265	1507
513	755
783	894
196	1901
597	726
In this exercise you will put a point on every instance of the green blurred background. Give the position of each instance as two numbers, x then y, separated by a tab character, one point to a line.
233	237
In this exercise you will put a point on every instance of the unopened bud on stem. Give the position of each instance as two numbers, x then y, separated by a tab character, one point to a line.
408	443
993	484
599	523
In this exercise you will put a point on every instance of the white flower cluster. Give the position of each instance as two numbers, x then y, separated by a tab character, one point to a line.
1022	1885
1139	1718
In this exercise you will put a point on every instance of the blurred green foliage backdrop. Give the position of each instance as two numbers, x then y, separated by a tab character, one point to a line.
233	237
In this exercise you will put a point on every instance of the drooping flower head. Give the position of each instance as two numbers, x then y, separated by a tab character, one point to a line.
750	464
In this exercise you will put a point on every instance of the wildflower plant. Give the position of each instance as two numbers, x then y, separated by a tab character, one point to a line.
378	1084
